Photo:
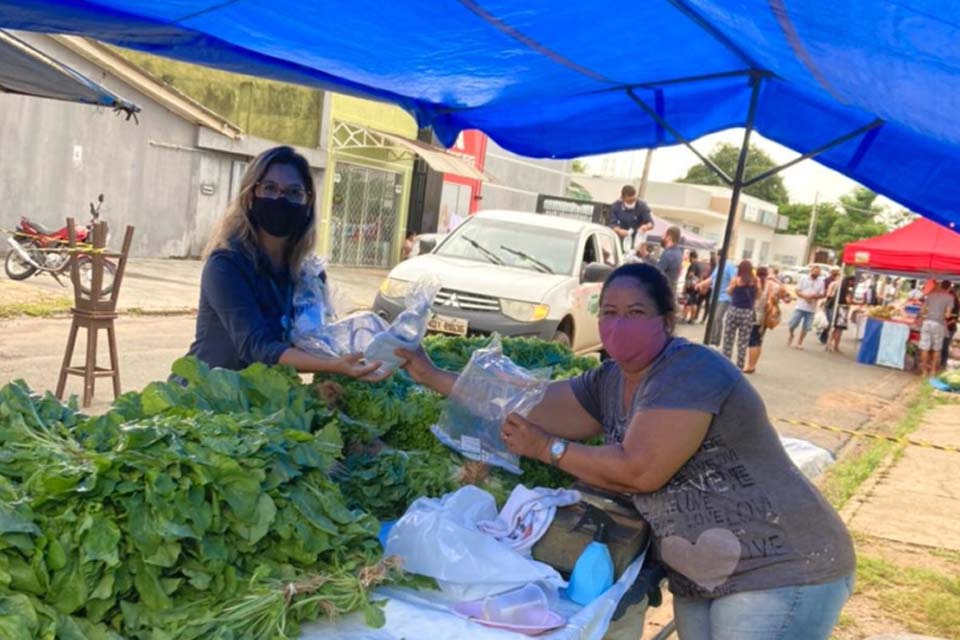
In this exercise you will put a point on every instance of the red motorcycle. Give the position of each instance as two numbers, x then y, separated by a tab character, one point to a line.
36	249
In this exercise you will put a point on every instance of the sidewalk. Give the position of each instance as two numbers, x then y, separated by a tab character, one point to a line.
161	286
916	500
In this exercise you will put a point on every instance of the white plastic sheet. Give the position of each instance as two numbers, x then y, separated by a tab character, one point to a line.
426	614
440	538
809	458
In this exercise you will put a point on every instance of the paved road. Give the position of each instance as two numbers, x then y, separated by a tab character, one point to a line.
811	384
165	286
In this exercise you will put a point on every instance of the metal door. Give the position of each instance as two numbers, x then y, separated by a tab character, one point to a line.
366	203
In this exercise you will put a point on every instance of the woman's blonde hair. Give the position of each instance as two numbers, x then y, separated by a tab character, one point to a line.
235	226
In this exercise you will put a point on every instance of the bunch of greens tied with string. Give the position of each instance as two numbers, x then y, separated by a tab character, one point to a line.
197	511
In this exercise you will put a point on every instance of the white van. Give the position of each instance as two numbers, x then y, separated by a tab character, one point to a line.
518	274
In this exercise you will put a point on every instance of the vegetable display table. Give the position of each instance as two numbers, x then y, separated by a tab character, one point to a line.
885	342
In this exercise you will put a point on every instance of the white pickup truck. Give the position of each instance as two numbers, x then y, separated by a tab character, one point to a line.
519	274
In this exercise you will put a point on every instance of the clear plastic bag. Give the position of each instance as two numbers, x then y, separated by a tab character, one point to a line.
407	329
315	327
489	388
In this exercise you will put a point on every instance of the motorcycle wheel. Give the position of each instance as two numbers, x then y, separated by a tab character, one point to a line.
16	268
85	265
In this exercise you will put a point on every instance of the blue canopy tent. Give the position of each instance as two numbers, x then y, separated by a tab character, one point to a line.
870	89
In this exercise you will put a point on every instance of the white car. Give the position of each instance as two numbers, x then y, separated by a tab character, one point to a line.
517	274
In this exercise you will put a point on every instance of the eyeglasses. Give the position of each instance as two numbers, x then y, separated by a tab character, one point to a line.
295	194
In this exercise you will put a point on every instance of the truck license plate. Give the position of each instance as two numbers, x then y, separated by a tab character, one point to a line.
446	324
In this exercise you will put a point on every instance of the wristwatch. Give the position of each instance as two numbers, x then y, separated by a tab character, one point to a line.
558	447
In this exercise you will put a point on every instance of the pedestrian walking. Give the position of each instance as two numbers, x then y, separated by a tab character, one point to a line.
691	294
810	290
738	322
671	259
723	299
766	315
838	311
937	307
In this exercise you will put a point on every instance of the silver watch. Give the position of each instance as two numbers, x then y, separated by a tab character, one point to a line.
558	447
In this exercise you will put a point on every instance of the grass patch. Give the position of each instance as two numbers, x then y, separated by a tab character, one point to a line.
43	308
924	601
843	479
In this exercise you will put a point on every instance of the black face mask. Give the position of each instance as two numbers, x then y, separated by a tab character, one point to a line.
279	217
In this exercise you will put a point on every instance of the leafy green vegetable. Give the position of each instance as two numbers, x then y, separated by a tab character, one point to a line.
213	495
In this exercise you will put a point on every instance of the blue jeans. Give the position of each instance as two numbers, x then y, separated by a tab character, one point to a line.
789	613
806	317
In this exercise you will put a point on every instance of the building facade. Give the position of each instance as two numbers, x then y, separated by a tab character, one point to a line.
170	175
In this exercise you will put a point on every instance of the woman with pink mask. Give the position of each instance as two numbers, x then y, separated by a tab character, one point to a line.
751	548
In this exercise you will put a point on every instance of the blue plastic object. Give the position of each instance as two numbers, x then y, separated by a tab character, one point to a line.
539	78
593	573
384	533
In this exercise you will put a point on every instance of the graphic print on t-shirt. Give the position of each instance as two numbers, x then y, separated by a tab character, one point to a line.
711	519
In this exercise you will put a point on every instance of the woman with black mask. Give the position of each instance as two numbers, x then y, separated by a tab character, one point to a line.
246	291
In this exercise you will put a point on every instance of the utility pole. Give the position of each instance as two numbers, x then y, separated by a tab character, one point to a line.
644	177
812	231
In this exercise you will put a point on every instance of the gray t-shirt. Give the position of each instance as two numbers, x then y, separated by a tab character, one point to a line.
671	261
738	516
938	303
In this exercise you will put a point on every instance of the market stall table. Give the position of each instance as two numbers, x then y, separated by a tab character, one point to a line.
885	342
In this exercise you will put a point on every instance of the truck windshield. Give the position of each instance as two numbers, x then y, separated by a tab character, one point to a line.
535	248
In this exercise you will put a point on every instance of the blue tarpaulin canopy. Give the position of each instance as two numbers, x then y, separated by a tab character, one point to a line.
563	79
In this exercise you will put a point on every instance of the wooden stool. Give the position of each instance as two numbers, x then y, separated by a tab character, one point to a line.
92	311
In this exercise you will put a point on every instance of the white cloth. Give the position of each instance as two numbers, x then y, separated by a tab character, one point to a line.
893	345
527	515
426	614
810	287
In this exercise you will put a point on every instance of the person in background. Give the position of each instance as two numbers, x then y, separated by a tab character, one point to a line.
252	259
770	293
936	310
630	218
810	290
738	321
757	553
723	301
951	326
838	312
691	295
671	258
409	242
834	275
705	295
915	294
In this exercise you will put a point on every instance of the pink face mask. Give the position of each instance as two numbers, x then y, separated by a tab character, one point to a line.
633	342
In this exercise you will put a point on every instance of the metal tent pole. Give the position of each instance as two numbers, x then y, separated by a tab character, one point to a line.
736	188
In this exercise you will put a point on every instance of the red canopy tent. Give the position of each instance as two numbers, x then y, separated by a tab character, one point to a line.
921	247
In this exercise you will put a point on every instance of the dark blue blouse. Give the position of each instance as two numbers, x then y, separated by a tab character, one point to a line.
243	302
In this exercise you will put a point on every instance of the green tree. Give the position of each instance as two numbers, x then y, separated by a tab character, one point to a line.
799	216
578	166
855	217
725	156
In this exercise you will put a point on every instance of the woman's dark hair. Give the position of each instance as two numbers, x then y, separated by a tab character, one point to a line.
745	271
762	273
650	279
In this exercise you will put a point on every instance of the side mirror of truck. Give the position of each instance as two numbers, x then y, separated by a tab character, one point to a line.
595	272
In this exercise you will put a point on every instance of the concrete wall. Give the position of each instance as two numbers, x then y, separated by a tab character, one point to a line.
516	181
267	109
57	156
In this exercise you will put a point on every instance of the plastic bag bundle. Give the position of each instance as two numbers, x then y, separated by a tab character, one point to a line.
407	329
489	388
315	327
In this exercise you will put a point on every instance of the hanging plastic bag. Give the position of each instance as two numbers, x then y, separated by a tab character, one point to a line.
439	538
315	327
489	388
820	321
407	329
